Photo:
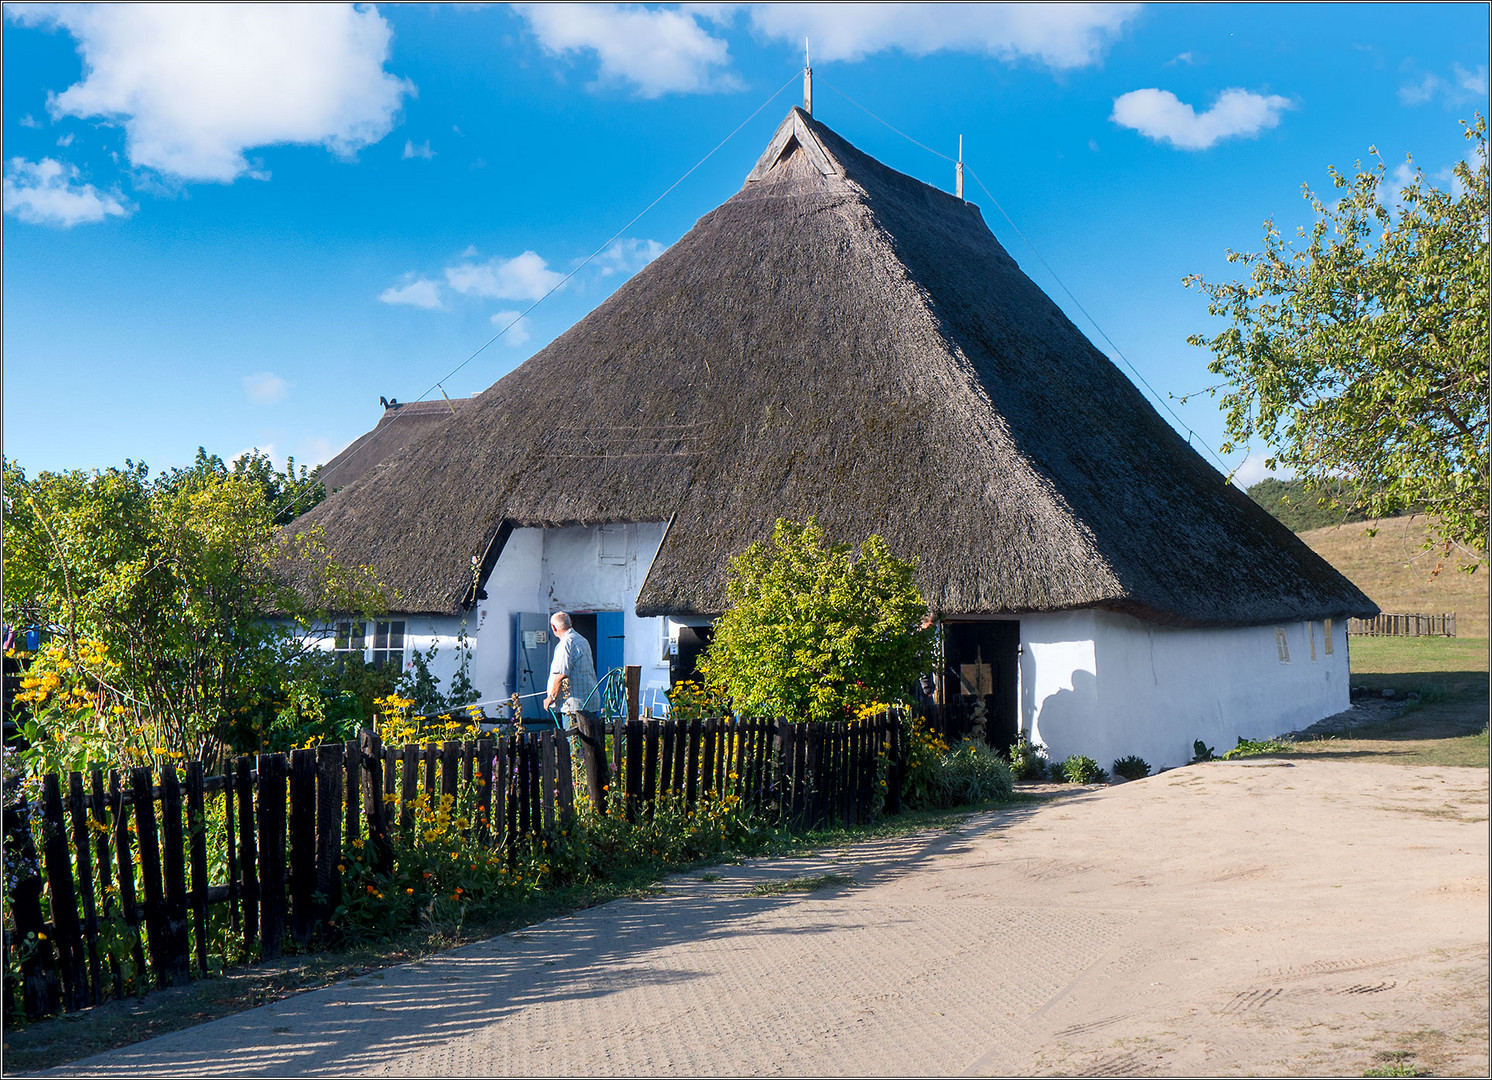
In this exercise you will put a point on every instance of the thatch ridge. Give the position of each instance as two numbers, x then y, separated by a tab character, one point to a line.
856	345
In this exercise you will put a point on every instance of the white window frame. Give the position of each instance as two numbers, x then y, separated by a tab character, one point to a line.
1282	644
1326	625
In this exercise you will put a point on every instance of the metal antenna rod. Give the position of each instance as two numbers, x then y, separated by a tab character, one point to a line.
959	170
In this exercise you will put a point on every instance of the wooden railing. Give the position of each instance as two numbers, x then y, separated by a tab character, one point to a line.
288	818
1396	625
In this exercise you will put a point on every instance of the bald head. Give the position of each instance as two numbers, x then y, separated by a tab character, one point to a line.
559	622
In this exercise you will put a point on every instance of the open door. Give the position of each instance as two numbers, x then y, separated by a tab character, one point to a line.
609	641
532	651
983	661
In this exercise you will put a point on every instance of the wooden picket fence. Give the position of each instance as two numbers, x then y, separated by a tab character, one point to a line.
288	818
1399	625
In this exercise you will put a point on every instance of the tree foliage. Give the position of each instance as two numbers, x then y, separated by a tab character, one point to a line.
1301	507
165	584
815	629
1360	353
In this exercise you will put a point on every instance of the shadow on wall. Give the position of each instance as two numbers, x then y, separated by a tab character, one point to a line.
1065	722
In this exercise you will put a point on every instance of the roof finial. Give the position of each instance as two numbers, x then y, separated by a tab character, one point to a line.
959	173
807	81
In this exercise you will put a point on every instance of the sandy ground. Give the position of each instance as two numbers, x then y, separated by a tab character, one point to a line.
1262	917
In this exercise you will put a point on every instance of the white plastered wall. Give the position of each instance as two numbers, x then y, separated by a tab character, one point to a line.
1107	685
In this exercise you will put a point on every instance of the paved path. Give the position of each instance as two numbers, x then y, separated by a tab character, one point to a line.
1225	918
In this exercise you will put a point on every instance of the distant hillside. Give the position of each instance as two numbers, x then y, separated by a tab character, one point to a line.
1394	571
1302	510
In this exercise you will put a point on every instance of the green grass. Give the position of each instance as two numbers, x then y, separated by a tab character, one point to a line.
811	883
1447	726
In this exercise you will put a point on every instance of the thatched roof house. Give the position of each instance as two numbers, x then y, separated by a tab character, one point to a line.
402	423
838	339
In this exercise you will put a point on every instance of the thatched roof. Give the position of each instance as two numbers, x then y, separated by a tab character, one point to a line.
839	339
402	423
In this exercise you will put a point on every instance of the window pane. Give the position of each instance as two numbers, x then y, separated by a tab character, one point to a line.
381	635
396	635
357	636
344	635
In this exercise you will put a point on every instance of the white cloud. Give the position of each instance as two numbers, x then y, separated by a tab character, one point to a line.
659	51
1059	35
518	333
265	388
30	121
316	450
196	85
1461	87
628	256
421	293
48	192
1160	115
1181	58
1252	469
66	140
421	151
525	277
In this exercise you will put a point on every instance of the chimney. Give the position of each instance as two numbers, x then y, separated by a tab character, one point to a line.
959	172
807	81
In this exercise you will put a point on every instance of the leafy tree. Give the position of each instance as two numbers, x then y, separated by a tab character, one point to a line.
1302	508
170	579
816	629
1360	354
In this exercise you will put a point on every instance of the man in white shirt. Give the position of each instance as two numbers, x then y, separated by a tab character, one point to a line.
572	659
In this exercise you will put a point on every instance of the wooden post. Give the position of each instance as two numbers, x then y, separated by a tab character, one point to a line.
173	871
502	823
67	930
248	850
593	756
548	761
649	763
329	822
634	690
485	766
564	780
665	766
525	787
691	761
450	767
352	766
711	733
632	783
409	774
375	809
302	845
272	777
197	839
104	859
40	991
78	808
680	755
431	753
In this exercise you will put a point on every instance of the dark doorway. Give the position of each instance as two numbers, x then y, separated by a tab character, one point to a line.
585	625
983	661
683	664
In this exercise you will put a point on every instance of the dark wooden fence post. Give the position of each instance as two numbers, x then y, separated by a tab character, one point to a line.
450	765
564	780
173	869
548	762
104	860
67	930
302	845
375	809
632	781
634	690
486	764
83	849
409	776
196	806
148	837
330	819
593	756
352	787
248	850
272	776
39	987
649	763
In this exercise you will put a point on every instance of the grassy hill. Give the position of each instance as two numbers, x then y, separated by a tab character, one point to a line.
1392	568
1300	509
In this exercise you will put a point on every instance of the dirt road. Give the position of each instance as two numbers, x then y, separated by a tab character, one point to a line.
1266	917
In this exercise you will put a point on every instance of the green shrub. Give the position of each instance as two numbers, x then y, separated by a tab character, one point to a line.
1200	752
1255	748
1131	767
973	772
1028	760
1081	769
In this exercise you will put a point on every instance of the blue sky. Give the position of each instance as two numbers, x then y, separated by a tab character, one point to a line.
239	227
